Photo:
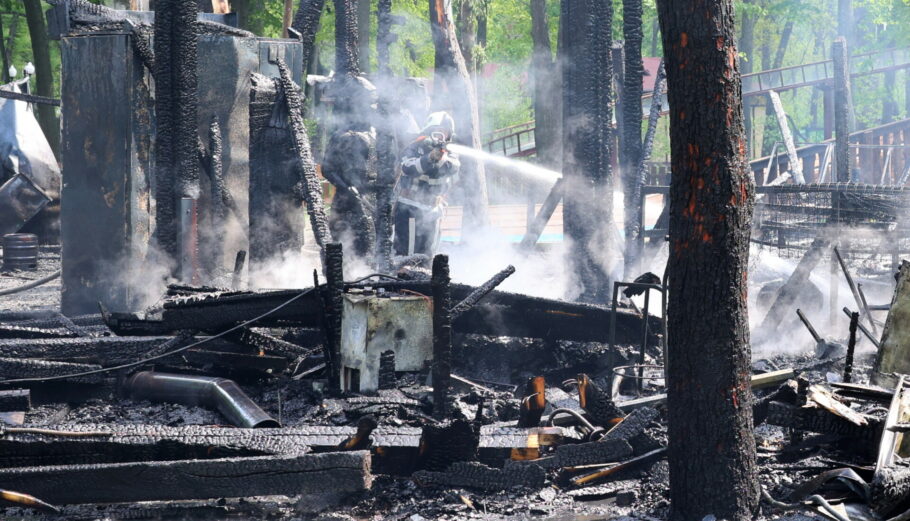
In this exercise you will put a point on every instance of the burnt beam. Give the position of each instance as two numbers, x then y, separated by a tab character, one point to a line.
309	474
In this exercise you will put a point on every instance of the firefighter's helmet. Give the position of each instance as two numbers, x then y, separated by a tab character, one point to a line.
440	121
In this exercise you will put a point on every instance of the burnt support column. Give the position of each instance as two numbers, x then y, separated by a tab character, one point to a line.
386	144
334	305
842	108
587	147
176	163
828	112
218	210
306	22
274	199
347	60
631	114
442	336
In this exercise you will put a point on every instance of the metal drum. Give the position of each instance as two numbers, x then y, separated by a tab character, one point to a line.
20	252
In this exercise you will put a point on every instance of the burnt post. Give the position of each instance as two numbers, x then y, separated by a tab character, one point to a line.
334	305
386	144
587	145
630	144
851	347
306	23
442	336
175	72
218	210
711	450
842	108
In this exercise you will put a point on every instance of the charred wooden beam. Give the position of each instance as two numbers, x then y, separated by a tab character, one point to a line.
265	342
814	419
274	175
483	290
442	336
104	350
842	109
472	474
15	400
310	186
590	453
443	444
334	473
15	368
13	331
306	23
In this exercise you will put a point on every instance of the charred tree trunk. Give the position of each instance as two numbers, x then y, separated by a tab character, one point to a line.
176	164
386	143
306	22
363	33
630	140
587	143
454	92
347	60
711	447
37	30
545	77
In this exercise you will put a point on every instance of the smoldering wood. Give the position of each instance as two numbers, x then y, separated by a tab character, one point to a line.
815	419
274	205
104	350
176	167
442	336
306	22
589	453
483	290
266	342
239	261
795	285
347	60
309	184
499	314
632	425
338	473
587	141
333	303
11	331
14	368
476	475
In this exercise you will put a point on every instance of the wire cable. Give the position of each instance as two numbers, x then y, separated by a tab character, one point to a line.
162	355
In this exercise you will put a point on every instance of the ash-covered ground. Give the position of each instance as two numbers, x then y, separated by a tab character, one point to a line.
498	368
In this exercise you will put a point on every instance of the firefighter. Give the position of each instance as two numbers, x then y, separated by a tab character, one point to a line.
428	170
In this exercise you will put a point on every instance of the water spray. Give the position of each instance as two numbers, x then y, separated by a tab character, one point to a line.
521	169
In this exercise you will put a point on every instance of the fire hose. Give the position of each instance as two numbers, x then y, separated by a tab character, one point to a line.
30	285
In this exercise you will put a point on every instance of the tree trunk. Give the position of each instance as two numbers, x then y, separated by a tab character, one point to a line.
785	34
453	91
630	140
346	49
306	22
4	58
711	446
747	41
37	30
286	20
363	33
587	143
467	33
655	37
545	78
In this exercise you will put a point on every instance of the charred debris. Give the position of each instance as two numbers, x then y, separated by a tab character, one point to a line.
398	394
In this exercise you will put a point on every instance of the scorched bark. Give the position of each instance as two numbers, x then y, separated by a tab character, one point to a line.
711	446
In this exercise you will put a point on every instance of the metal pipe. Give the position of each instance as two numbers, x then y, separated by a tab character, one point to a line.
218	393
